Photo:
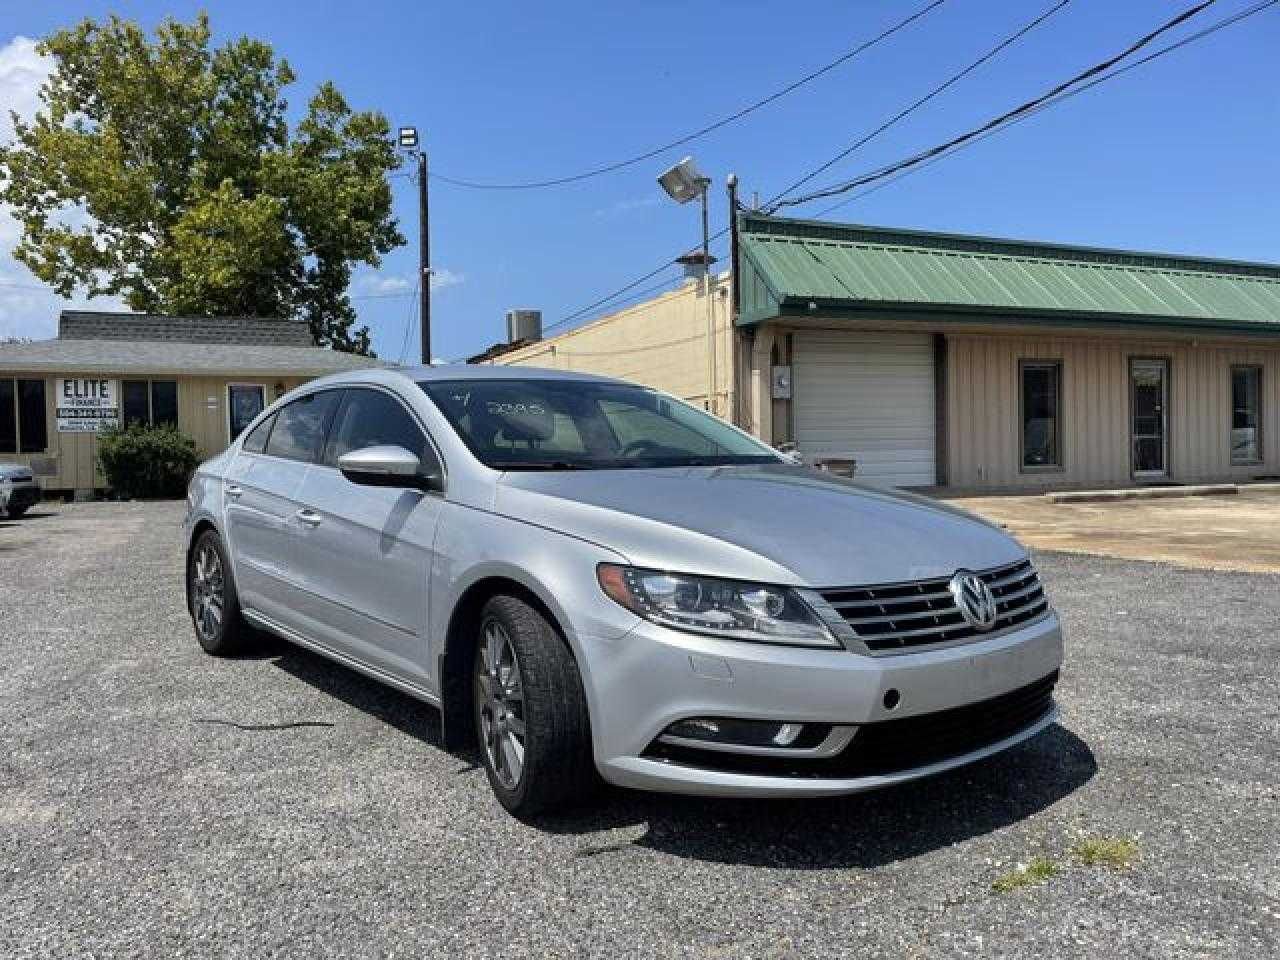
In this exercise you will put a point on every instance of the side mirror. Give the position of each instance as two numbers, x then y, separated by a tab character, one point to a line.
387	466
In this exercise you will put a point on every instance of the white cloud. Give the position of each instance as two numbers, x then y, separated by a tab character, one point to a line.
27	307
622	207
442	277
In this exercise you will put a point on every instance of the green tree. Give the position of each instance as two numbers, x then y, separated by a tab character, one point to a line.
164	171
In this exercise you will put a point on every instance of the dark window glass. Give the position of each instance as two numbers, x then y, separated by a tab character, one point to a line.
1041	392
164	403
244	402
32	418
370	418
585	425
256	441
8	418
301	425
1246	414
134	400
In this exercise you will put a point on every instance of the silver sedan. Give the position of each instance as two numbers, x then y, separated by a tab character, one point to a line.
592	580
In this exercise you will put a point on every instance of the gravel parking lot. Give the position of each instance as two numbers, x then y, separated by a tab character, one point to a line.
157	802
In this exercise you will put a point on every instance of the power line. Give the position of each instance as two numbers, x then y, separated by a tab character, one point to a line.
950	81
996	122
702	131
1170	48
408	323
907	111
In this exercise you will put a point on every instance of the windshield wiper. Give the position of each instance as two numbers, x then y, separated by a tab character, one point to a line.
537	465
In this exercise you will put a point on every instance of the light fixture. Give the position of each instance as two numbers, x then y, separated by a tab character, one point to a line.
408	137
683	182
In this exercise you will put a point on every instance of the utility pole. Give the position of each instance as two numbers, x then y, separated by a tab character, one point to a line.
424	257
735	336
408	141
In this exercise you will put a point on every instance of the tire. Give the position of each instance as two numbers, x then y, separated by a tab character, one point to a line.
548	718
16	513
212	600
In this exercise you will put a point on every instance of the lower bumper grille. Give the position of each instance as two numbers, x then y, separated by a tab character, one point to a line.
892	746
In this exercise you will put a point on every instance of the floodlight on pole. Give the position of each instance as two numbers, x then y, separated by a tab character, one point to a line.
409	137
407	140
684	182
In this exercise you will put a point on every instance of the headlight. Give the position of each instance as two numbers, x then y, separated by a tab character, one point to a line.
719	608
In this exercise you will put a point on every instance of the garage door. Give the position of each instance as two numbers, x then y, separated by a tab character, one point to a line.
869	396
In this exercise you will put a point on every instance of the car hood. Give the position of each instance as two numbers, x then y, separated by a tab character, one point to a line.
774	523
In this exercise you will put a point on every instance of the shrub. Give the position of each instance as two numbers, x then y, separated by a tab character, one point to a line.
147	462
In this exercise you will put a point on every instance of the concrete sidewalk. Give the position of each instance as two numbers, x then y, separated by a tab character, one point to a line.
1237	532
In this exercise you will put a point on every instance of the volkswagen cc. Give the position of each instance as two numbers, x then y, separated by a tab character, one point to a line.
594	581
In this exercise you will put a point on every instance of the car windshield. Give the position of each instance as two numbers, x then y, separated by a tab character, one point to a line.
585	425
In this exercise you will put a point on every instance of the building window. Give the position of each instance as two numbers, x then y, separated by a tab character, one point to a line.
135	408
8	418
1246	415
164	403
33	423
153	402
1041	414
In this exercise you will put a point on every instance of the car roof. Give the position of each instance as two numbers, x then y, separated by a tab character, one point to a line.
466	371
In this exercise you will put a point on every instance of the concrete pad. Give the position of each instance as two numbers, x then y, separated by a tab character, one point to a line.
1236	532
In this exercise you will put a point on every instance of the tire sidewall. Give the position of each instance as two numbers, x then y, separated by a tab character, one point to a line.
512	799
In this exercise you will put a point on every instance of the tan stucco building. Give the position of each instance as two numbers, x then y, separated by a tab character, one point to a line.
207	375
966	362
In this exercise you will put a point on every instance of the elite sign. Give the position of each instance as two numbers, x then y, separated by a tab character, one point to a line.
87	405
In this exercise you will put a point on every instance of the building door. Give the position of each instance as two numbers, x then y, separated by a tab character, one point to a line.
869	396
1149	426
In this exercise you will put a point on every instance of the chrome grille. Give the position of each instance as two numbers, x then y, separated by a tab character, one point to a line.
899	616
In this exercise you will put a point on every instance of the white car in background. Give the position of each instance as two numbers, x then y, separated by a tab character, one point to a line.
18	490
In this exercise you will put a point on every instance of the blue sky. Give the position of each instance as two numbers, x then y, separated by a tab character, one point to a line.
1179	156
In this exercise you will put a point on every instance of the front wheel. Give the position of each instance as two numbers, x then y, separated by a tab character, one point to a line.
531	712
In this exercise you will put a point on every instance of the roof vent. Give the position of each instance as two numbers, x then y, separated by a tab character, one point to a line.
524	325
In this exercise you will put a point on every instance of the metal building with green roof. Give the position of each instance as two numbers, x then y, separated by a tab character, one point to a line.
971	362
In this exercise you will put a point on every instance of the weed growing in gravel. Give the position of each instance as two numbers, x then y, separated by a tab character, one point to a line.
1038	870
1117	853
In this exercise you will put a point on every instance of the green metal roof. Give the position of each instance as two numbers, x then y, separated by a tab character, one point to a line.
787	265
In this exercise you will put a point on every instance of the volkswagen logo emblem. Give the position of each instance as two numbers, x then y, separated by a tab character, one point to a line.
973	599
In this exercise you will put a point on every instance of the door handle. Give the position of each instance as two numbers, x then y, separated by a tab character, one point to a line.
233	491
309	517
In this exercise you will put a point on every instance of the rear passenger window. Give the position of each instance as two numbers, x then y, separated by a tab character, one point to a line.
256	441
371	418
300	426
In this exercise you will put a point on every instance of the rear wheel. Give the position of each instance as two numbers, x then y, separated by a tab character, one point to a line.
16	512
212	598
531	712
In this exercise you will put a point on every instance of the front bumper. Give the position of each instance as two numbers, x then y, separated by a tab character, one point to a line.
643	682
19	496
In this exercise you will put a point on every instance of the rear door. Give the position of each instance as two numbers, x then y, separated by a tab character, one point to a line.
260	493
365	552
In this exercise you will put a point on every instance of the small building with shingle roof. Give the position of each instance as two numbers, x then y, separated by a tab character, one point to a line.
209	376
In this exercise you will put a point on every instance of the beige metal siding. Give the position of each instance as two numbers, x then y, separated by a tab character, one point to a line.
661	343
984	420
75	454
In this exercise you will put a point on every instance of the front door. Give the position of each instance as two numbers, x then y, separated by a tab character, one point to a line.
365	553
1149	422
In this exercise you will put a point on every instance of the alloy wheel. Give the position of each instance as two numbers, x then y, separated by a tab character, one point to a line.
500	692
208	589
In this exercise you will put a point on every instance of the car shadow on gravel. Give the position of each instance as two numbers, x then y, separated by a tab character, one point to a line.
864	830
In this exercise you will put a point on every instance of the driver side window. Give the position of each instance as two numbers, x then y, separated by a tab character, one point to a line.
370	418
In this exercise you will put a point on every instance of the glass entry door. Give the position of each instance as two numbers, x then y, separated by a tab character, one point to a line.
1149	404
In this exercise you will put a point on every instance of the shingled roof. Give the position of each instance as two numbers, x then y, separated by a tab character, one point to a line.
155	328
